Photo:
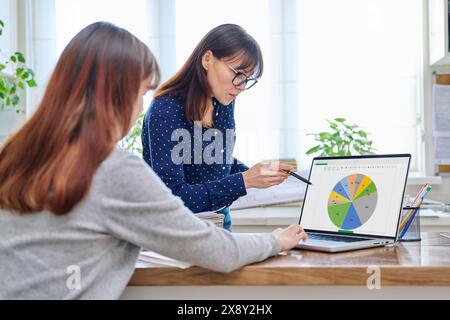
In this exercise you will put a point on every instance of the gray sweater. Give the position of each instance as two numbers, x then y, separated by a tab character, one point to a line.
91	252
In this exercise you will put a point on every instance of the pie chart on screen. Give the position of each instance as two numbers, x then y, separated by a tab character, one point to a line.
352	202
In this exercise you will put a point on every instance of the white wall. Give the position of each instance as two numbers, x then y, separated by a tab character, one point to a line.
439	192
162	35
30	28
39	42
8	14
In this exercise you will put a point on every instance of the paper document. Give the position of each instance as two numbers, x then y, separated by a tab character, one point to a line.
442	150
441	110
292	190
212	216
156	258
441	123
434	213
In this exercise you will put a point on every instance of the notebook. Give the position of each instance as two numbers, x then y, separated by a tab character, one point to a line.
290	191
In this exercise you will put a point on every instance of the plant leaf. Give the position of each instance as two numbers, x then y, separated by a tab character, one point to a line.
351	127
362	134
333	126
20	57
19	72
328	151
341	120
314	150
15	100
32	83
325	136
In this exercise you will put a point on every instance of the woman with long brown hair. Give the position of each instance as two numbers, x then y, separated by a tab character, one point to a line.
189	130
72	206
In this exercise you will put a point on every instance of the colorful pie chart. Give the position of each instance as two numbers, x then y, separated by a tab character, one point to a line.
352	202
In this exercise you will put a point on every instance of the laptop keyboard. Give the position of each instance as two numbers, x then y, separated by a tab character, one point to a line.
335	238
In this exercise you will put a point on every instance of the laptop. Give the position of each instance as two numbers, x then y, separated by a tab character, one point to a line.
354	202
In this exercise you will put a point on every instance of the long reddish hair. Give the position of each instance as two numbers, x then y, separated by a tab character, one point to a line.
87	107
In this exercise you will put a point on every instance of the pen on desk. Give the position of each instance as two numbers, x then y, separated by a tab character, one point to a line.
426	188
298	177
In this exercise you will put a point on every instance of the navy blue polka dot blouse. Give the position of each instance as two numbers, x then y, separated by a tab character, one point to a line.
201	185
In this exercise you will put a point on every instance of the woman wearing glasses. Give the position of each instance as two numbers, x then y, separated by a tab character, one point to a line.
189	130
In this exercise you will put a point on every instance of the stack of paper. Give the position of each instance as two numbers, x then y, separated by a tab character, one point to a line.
292	190
211	216
156	258
434	213
291	162
441	124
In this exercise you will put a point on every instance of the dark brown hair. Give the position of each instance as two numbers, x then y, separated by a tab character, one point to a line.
50	162
190	82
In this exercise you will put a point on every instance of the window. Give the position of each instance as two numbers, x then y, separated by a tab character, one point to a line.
354	59
72	16
362	60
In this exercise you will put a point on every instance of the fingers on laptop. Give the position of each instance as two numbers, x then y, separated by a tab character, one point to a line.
299	232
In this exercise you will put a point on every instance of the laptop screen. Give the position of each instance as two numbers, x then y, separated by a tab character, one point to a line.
356	195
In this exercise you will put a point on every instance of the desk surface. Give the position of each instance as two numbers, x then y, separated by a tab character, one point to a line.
425	263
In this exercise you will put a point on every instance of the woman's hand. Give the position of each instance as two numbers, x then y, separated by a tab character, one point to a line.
266	174
289	237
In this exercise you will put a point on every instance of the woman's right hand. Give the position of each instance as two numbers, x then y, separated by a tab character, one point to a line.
289	237
266	174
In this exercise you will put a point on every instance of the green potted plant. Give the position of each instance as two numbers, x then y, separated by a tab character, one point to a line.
132	142
344	139
14	77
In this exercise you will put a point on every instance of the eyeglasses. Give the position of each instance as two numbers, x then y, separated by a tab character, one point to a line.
240	78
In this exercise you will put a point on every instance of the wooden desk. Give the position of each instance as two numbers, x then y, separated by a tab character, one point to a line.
408	270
